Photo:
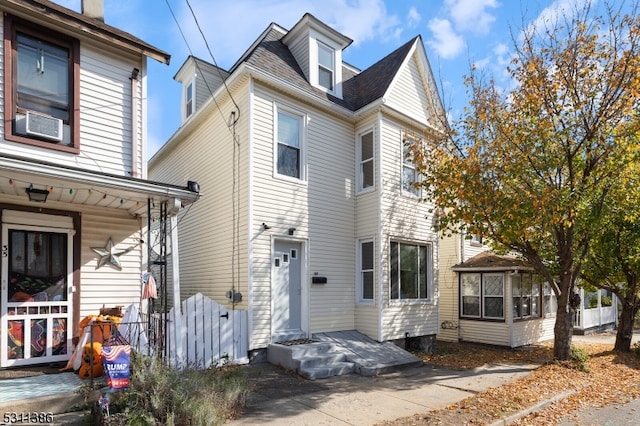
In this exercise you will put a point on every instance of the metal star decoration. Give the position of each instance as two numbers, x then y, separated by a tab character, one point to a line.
109	256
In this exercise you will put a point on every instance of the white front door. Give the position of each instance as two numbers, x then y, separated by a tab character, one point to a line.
287	291
37	300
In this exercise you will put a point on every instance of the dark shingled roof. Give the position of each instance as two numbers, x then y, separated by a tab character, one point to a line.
491	260
273	57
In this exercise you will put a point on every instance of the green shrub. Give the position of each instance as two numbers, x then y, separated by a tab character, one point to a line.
580	358
161	395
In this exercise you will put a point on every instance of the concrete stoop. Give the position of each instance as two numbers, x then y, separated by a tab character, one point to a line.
312	360
338	353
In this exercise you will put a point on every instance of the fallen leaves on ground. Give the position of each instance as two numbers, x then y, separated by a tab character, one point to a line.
611	378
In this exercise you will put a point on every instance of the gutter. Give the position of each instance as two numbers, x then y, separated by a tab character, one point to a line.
83	176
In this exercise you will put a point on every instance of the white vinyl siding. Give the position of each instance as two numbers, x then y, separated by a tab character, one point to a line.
322	211
107	286
406	220
105	116
403	95
208	264
488	332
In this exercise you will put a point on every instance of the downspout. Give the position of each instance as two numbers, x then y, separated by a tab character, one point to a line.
457	302
180	328
135	141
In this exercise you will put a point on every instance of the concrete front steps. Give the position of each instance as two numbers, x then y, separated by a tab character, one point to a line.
341	352
311	359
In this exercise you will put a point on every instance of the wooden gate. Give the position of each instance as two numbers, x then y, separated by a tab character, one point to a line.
204	333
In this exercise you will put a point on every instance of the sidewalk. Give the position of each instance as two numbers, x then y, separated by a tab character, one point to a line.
283	398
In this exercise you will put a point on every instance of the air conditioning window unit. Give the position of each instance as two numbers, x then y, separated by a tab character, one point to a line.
44	126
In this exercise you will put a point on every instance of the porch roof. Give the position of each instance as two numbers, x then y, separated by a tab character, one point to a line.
488	261
83	187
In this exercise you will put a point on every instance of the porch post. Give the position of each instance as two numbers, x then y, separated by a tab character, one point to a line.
177	304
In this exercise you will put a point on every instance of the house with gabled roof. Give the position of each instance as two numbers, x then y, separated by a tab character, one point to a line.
312	222
75	200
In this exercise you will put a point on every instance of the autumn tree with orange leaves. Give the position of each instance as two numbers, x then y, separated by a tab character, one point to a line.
532	168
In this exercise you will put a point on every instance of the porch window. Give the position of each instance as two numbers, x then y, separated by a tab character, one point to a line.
493	296
365	155
526	289
470	295
289	145
366	270
410	271
482	296
549	300
42	70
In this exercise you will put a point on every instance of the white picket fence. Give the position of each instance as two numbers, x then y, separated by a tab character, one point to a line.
204	333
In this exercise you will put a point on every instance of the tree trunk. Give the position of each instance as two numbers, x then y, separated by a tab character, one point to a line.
563	331
625	327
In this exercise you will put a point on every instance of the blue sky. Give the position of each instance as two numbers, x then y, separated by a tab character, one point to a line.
456	33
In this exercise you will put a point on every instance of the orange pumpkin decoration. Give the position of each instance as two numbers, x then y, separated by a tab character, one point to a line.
91	349
86	372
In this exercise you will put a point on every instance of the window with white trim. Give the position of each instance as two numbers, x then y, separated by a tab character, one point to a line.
326	66
411	276
549	300
526	292
410	175
366	271
188	100
366	161
289	155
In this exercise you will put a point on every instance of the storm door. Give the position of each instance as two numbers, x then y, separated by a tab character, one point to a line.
36	308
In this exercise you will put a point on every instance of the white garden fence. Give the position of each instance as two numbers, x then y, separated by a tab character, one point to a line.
201	334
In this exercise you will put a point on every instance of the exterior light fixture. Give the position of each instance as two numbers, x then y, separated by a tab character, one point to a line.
291	231
37	195
265	226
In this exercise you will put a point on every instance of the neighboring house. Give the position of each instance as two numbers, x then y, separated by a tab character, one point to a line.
74	199
311	221
500	300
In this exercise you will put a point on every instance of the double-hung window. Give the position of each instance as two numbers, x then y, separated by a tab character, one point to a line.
366	160
366	284
188	100
289	144
326	66
410	273
42	86
410	176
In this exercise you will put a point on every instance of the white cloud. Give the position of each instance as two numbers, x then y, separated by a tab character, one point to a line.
413	17
555	14
445	41
231	27
472	15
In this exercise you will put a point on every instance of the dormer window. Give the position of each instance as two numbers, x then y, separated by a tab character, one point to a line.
188	100
325	66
